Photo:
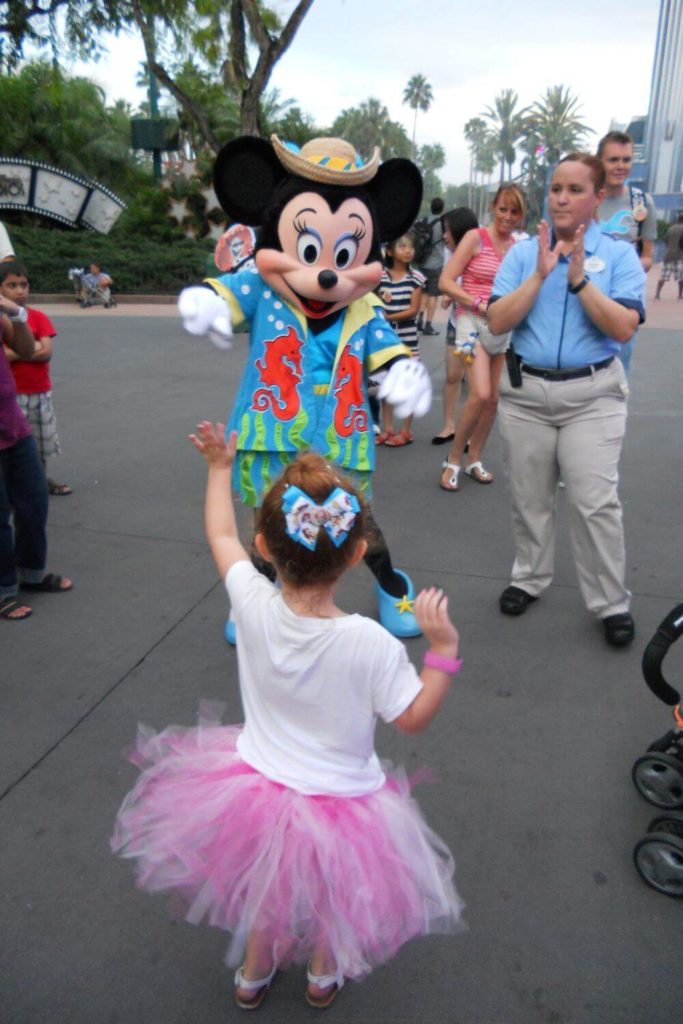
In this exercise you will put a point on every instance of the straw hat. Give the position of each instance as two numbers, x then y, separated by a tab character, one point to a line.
329	161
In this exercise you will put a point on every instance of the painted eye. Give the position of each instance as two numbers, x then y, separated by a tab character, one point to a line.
308	248
345	252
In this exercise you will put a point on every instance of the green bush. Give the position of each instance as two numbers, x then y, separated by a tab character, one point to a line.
138	264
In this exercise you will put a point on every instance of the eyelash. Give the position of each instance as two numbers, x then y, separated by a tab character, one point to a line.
300	227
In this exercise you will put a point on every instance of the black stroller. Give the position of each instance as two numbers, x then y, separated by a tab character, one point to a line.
658	774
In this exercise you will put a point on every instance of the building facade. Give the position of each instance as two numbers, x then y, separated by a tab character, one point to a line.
664	131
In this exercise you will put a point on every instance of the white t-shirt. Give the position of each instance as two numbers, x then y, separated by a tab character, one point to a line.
5	244
312	689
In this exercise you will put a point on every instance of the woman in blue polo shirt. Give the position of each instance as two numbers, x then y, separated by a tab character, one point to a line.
571	297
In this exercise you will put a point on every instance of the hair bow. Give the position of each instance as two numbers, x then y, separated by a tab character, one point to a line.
304	516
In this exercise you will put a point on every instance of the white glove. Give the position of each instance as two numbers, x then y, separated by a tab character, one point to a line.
204	312
408	387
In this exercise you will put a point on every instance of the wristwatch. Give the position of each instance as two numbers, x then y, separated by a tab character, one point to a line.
574	289
19	318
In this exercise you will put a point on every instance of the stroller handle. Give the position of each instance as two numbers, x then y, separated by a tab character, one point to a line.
668	632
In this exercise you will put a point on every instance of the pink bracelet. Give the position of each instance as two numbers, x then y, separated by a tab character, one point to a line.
476	304
439	661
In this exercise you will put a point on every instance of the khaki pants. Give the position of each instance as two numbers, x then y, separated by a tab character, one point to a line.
571	430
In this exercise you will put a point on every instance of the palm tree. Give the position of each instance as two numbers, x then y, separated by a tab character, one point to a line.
555	119
418	95
477	135
369	125
508	127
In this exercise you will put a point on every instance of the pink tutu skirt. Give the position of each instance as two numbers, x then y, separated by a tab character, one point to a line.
356	875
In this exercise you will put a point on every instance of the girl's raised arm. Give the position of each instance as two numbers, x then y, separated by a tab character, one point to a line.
219	511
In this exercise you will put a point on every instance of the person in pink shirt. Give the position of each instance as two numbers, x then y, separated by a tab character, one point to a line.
468	278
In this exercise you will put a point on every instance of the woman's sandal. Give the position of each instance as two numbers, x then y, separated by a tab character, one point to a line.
478	473
333	982
50	584
451	483
59	489
259	987
9	605
404	437
383	437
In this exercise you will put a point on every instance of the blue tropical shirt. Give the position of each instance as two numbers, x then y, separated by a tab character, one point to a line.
301	390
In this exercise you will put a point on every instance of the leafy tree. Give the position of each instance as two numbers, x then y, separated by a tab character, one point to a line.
457	195
553	127
64	121
508	126
419	96
555	120
369	125
431	157
294	125
221	32
32	21
477	135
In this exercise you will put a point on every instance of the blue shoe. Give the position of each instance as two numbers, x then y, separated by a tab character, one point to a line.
396	614
231	632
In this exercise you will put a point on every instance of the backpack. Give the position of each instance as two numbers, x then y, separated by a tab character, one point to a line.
423	242
638	212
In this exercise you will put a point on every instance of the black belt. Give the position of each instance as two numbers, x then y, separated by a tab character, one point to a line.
581	371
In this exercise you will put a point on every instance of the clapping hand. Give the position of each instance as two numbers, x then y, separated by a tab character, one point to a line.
577	255
210	442
547	257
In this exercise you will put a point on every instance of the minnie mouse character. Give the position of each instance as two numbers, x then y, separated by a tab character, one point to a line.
317	331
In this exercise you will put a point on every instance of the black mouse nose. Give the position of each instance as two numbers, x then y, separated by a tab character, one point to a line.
327	278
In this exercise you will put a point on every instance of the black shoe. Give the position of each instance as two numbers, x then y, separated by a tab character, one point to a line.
428	329
438	439
619	629
514	601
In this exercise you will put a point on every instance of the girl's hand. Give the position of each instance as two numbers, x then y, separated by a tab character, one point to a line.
577	254
431	612
446	302
210	442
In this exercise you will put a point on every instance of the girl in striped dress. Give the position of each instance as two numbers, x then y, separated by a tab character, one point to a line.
400	289
475	263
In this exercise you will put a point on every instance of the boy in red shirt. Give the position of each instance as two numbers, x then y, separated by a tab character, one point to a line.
32	376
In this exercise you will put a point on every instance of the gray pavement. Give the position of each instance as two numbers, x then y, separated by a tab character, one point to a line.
532	754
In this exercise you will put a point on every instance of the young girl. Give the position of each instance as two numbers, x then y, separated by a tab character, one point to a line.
286	831
468	278
400	289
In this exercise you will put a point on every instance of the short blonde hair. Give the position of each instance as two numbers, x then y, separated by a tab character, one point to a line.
514	194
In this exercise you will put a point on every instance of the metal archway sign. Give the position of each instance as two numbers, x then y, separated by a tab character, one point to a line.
38	188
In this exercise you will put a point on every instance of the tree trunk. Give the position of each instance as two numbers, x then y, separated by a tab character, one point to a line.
187	103
270	51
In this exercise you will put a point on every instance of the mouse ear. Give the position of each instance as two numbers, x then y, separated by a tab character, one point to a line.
244	176
396	192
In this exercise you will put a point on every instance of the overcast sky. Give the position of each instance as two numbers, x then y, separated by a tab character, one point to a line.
469	50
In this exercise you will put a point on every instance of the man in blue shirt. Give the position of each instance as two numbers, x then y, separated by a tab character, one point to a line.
571	299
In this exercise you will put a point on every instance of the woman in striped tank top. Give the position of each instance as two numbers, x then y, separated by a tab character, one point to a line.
468	278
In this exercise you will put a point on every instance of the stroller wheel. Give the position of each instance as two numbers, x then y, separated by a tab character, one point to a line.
671	823
658	858
659	778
